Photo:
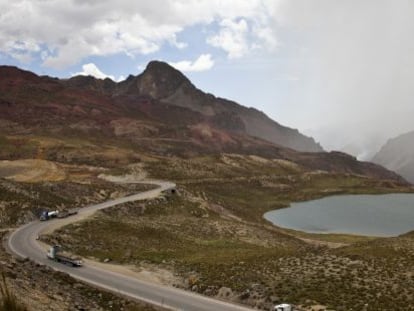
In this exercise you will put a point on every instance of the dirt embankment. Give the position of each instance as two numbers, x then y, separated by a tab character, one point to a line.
31	170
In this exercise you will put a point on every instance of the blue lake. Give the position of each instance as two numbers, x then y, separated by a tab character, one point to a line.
371	215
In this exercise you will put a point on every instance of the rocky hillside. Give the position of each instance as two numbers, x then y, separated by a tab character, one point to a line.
164	83
161	93
158	113
398	155
167	84
69	143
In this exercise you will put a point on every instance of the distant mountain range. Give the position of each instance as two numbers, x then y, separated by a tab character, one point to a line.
398	155
159	112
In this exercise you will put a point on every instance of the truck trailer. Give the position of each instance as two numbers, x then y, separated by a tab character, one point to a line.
55	253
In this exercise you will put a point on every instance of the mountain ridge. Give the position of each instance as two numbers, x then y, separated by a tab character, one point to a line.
99	111
166	84
397	154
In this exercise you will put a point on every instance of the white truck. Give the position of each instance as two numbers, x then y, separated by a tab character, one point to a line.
55	253
283	307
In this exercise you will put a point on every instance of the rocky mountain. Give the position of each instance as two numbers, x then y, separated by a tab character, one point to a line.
162	82
159	112
398	155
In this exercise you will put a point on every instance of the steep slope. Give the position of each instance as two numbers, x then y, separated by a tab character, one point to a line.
160	93
163	82
398	155
144	115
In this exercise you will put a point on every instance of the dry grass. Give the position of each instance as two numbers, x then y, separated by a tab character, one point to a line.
214	236
209	249
8	301
210	252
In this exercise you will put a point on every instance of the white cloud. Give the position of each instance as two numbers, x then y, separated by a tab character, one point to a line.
179	45
232	38
202	63
267	37
92	70
240	35
73	30
21	50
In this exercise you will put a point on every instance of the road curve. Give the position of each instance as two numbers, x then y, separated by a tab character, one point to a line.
22	242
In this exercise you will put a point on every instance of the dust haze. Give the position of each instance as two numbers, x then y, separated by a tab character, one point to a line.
356	67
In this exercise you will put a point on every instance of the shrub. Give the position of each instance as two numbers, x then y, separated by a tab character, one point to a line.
8	300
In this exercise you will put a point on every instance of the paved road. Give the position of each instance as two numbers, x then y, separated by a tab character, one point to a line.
23	243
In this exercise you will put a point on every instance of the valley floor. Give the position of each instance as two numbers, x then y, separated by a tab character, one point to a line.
210	237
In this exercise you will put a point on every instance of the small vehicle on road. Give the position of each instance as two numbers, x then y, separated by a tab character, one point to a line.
55	253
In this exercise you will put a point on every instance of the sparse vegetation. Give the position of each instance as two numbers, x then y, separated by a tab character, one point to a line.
8	300
17	148
212	235
20	202
198	236
250	186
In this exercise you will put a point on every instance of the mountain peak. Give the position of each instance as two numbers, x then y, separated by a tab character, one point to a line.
163	82
160	80
169	91
160	66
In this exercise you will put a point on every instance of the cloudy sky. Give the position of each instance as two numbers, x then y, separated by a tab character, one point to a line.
339	70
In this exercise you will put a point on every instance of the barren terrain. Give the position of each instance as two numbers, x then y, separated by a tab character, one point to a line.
69	143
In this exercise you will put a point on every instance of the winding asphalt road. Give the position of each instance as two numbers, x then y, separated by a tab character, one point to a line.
22	242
